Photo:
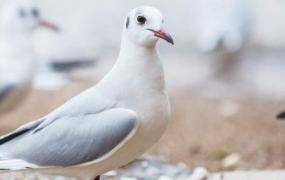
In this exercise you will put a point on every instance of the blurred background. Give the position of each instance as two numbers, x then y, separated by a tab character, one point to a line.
224	74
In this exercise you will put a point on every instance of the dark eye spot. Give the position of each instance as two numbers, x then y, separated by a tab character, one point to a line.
128	22
35	13
141	20
22	13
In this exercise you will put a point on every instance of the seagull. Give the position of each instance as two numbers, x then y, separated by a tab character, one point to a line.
223	24
224	29
108	125
19	20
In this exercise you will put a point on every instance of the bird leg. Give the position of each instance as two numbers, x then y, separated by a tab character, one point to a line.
97	178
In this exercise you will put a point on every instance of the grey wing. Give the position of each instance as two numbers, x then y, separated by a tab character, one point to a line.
74	140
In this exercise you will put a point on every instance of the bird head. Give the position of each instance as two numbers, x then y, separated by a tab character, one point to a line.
24	16
144	26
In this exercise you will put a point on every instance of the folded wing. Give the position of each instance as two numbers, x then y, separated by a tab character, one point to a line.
70	140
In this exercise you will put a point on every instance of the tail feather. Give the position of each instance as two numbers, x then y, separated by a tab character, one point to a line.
15	165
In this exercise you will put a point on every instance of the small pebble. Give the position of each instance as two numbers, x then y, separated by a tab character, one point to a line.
231	162
182	165
229	108
59	178
128	178
111	173
145	164
199	173
164	178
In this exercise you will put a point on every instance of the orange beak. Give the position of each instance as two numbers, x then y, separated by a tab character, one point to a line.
48	25
163	35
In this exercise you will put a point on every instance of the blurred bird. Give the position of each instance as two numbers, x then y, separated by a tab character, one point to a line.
223	24
108	125
17	59
224	27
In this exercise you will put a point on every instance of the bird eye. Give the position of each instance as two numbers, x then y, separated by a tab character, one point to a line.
141	20
35	13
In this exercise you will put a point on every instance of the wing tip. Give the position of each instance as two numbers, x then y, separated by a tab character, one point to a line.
15	165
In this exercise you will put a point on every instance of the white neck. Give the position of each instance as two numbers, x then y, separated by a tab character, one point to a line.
13	35
137	65
137	58
16	41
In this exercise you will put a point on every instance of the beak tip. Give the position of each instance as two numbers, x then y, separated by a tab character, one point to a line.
170	40
163	35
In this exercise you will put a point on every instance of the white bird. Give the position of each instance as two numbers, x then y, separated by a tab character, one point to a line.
224	27
108	125
17	58
223	24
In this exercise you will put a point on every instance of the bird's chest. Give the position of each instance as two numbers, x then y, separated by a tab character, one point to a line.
154	117
153	110
143	91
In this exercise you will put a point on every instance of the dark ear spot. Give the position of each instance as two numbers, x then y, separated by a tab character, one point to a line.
35	12
128	22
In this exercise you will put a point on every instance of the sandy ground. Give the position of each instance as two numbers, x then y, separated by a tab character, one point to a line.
202	133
